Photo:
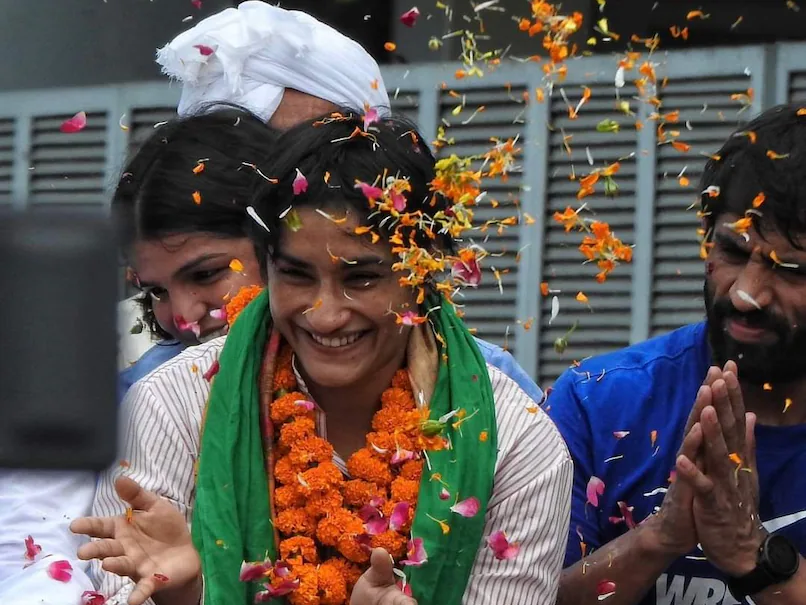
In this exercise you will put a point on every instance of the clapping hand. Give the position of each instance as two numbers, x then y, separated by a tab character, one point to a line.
151	545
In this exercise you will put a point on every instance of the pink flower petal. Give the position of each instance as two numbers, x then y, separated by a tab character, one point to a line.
626	512
273	592
409	18
31	549
300	184
596	488
281	569
365	542
405	588
254	571
214	369
61	571
467	508
75	124
204	50
467	274
196	4
501	547
398	201
308	406
370	116
399	516
371	192
605	589
415	554
92	597
444	494
376	526
401	455
620	434
187	326
220	314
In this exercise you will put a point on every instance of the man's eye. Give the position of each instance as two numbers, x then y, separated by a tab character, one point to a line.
293	273
206	275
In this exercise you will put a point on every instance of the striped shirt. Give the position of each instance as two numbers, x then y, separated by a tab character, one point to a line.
530	503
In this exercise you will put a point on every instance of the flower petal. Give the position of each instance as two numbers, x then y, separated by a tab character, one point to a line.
595	489
219	313
61	571
399	516
409	18
415	555
75	124
204	50
300	184
501	547
212	371
31	549
92	597
370	191
467	508
254	571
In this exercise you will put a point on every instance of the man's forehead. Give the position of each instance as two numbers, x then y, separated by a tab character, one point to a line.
762	232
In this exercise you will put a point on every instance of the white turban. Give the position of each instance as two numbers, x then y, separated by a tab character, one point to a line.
249	55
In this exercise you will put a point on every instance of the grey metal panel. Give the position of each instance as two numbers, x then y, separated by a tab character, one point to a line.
608	326
6	158
67	168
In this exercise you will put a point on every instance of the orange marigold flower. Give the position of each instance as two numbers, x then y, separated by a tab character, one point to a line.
401	380
299	429
325	503
284	380
287	407
351	550
389	419
309	450
395	543
299	546
325	476
405	490
336	524
413	469
399	399
295	521
288	496
362	465
285	472
238	302
358	492
332	585
349	571
308	591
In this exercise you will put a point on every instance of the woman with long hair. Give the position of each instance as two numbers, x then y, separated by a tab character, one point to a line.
350	410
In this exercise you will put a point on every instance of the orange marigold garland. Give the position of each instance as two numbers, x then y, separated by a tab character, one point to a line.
238	302
328	524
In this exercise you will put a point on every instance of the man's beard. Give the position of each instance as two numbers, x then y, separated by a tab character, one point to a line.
779	362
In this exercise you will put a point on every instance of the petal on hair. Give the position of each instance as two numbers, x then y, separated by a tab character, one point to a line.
300	184
75	124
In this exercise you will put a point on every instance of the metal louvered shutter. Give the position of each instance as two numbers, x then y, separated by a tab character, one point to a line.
797	87
68	169
707	118
405	103
6	158
490	309
143	122
607	327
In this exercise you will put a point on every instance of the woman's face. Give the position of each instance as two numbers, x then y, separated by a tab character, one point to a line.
188	276
332	294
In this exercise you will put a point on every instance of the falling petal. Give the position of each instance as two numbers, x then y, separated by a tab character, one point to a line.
61	571
300	184
197	198
467	508
555	309
196	3
371	192
400	456
219	313
409	18
255	217
236	265
75	124
399	516
390	47
501	547
444	494
595	489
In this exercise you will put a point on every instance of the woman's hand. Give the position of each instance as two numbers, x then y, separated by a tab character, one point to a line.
377	585
151	545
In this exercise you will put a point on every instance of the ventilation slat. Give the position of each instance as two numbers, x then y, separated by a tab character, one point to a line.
6	158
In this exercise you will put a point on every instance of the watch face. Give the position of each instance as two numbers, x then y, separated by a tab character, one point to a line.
782	556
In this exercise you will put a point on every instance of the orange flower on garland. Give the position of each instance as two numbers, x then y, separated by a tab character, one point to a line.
319	513
238	302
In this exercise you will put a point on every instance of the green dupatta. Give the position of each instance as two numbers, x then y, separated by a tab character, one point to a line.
232	520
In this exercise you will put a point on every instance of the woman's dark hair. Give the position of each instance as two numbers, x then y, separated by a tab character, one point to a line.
192	175
767	156
336	152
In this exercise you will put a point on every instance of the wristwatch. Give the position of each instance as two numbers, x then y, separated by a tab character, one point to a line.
778	560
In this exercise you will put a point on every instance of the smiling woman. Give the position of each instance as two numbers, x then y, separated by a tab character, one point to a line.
180	209
352	415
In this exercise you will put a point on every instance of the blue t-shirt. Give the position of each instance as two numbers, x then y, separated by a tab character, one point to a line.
649	389
166	350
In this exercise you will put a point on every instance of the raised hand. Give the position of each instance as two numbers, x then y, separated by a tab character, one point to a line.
377	585
151	545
